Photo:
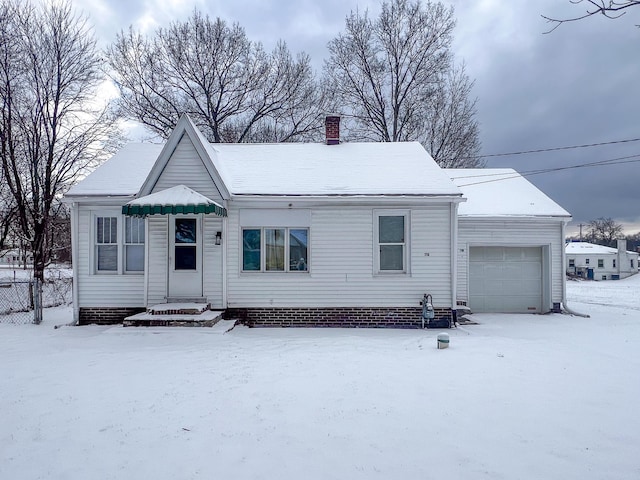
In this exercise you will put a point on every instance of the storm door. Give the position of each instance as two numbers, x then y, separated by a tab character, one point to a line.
185	257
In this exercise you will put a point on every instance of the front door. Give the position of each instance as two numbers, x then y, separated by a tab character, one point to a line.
185	257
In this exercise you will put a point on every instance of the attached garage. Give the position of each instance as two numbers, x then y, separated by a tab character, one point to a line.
505	279
510	244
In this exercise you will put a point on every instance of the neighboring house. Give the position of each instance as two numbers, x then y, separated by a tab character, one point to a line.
335	234
597	262
510	243
14	258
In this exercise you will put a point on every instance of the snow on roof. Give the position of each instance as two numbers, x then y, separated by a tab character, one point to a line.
500	192
178	195
289	169
587	248
403	168
122	174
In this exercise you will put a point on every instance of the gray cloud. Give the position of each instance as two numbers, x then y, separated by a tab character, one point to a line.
576	85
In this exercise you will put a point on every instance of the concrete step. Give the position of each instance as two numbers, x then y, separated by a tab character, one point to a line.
181	308
206	318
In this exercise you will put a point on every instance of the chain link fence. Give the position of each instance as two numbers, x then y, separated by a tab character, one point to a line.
22	299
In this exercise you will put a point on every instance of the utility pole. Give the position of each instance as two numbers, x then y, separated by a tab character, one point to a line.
580	225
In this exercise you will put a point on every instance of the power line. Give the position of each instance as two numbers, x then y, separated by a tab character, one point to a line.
612	161
553	149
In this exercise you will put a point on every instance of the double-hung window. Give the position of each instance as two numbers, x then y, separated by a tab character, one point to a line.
133	244
600	263
118	243
106	247
391	232
283	249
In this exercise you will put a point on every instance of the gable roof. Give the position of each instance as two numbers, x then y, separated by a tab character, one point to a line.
110	179
184	127
316	169
501	192
296	169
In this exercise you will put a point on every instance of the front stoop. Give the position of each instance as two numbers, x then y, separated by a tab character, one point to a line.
175	315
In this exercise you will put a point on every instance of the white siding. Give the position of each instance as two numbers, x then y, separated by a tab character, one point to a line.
341	271
157	249
185	167
103	290
212	258
511	232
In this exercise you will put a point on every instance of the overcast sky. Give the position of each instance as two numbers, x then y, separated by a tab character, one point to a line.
578	85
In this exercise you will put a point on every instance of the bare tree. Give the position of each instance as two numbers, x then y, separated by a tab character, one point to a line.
7	213
452	135
604	231
607	8
52	127
395	80
231	88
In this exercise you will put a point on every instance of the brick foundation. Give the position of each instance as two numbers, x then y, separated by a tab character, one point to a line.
106	315
345	317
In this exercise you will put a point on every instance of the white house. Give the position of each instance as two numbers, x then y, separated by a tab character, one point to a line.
597	262
335	234
14	258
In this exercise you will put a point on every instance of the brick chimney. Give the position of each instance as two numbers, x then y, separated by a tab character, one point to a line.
332	128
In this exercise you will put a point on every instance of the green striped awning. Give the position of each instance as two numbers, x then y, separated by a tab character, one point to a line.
173	201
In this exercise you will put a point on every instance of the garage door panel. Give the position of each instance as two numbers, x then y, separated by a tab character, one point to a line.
493	253
532	286
505	279
530	269
532	253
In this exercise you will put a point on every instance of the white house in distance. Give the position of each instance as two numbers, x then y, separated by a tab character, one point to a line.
597	262
315	234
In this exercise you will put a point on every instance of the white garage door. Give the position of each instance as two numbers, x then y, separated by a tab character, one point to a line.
505	279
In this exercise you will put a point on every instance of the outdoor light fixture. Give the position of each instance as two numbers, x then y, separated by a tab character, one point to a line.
218	238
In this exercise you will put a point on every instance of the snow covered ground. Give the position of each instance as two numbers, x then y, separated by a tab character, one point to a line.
516	397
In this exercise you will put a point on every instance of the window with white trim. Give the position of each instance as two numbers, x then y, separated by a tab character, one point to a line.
118	243
133	244
106	244
391	232
572	262
601	263
282	249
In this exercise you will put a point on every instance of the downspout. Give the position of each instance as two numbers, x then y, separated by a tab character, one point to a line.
454	258
564	279
74	262
147	248
225	240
